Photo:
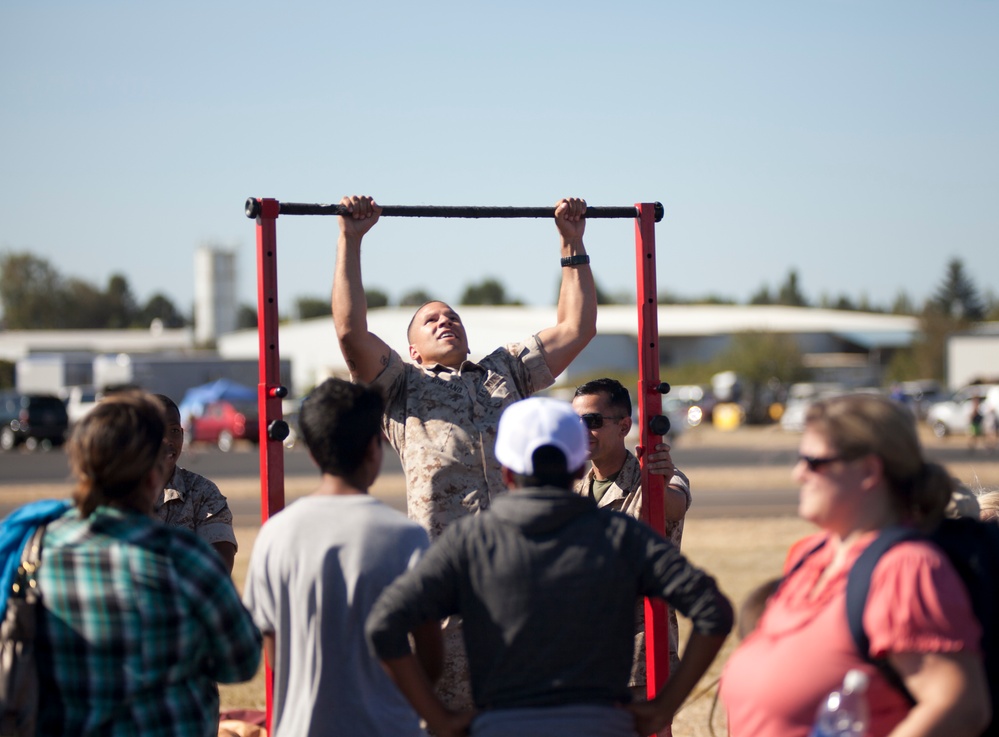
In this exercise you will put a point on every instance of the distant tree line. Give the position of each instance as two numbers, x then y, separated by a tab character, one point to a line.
35	296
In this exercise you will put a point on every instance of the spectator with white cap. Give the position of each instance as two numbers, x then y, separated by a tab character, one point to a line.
546	584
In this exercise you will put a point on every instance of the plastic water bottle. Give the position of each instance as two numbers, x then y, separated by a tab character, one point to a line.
844	713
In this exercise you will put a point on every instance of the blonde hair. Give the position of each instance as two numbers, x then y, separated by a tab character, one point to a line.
113	448
988	503
860	424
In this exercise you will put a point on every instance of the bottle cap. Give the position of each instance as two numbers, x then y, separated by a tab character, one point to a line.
856	681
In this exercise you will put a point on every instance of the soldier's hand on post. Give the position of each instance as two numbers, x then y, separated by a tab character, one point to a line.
661	462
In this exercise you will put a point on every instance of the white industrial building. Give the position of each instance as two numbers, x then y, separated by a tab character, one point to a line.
973	356
837	345
852	346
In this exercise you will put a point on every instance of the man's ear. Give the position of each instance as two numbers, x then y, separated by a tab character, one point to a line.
415	354
625	426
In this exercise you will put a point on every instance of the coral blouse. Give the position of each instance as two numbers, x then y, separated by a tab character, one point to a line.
802	648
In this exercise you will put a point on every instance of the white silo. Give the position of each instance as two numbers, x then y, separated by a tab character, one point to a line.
215	301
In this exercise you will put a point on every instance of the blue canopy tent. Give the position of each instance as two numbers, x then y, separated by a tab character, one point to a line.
194	401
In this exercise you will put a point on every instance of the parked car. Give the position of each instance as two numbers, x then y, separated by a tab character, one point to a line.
919	396
953	416
33	419
800	397
224	422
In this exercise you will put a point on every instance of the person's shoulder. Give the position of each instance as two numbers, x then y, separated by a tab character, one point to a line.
804	547
195	483
151	536
913	554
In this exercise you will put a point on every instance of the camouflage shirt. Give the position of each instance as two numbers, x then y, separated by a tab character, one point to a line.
442	423
625	495
193	502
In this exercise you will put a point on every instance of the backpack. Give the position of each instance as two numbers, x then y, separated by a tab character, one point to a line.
18	668
973	549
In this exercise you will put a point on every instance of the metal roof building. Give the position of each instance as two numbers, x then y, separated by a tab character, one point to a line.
831	339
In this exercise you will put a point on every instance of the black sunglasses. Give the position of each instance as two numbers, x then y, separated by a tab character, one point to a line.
814	464
595	420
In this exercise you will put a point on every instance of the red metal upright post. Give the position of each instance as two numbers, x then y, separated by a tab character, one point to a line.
269	390
650	405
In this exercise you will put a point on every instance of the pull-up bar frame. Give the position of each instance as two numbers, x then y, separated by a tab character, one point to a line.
437	211
652	424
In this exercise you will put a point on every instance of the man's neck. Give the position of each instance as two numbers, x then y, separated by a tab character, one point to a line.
609	466
331	485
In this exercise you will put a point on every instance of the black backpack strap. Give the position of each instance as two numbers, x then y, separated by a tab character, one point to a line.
801	561
858	585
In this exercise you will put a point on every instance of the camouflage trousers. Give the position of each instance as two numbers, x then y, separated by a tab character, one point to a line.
454	687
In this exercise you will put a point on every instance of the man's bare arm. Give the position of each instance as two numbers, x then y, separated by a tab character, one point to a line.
366	354
577	299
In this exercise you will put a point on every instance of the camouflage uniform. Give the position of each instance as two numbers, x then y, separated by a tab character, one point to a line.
442	423
625	495
193	502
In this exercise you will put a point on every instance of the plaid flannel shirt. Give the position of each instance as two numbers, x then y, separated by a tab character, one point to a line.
140	622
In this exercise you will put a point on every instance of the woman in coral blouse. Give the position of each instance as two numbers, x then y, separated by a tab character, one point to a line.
861	469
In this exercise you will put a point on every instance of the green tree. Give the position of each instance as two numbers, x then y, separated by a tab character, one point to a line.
246	317
843	302
991	306
121	306
375	298
87	307
307	308
957	295
603	298
765	361
159	307
487	292
903	305
789	293
415	298
761	296
929	350
30	291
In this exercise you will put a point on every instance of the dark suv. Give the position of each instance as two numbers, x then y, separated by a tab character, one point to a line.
31	418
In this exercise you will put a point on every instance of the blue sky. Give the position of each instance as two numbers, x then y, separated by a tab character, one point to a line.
857	142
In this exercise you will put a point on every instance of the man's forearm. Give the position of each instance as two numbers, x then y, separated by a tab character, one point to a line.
412	681
350	308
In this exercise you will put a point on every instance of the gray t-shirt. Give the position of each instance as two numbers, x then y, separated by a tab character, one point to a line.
315	572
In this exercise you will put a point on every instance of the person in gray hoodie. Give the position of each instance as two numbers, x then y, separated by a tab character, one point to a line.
546	584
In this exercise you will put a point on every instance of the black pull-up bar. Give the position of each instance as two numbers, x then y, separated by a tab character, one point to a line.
436	211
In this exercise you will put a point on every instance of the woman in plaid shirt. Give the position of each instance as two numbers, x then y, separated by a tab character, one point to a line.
140	619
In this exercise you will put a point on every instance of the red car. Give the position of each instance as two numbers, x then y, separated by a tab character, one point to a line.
225	422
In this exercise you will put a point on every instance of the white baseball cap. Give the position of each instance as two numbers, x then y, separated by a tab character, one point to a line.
531	423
